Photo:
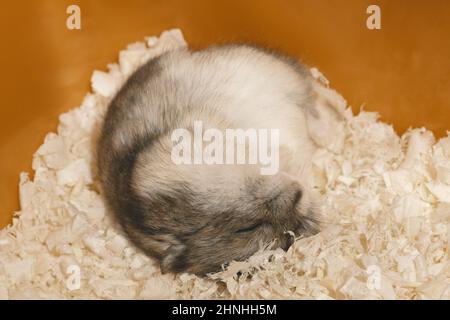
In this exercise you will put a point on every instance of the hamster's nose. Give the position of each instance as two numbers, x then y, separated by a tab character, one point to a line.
293	193
297	196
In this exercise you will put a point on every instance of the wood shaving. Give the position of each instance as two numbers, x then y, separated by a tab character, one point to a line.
386	204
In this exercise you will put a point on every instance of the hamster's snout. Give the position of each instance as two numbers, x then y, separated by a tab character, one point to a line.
289	196
294	206
286	195
297	196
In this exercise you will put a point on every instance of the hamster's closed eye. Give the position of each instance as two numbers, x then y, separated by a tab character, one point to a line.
250	228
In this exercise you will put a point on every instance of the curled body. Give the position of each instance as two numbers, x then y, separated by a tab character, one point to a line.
196	217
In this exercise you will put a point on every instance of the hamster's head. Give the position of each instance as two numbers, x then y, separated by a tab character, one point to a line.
196	218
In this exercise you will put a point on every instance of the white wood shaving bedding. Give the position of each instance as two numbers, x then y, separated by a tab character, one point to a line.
386	201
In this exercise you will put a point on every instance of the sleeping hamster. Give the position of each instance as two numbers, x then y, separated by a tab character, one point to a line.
197	216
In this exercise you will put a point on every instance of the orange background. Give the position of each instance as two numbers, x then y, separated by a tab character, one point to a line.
402	70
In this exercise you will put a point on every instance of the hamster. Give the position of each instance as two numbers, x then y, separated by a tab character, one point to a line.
197	217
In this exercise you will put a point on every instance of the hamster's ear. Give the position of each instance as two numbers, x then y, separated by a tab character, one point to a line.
174	259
